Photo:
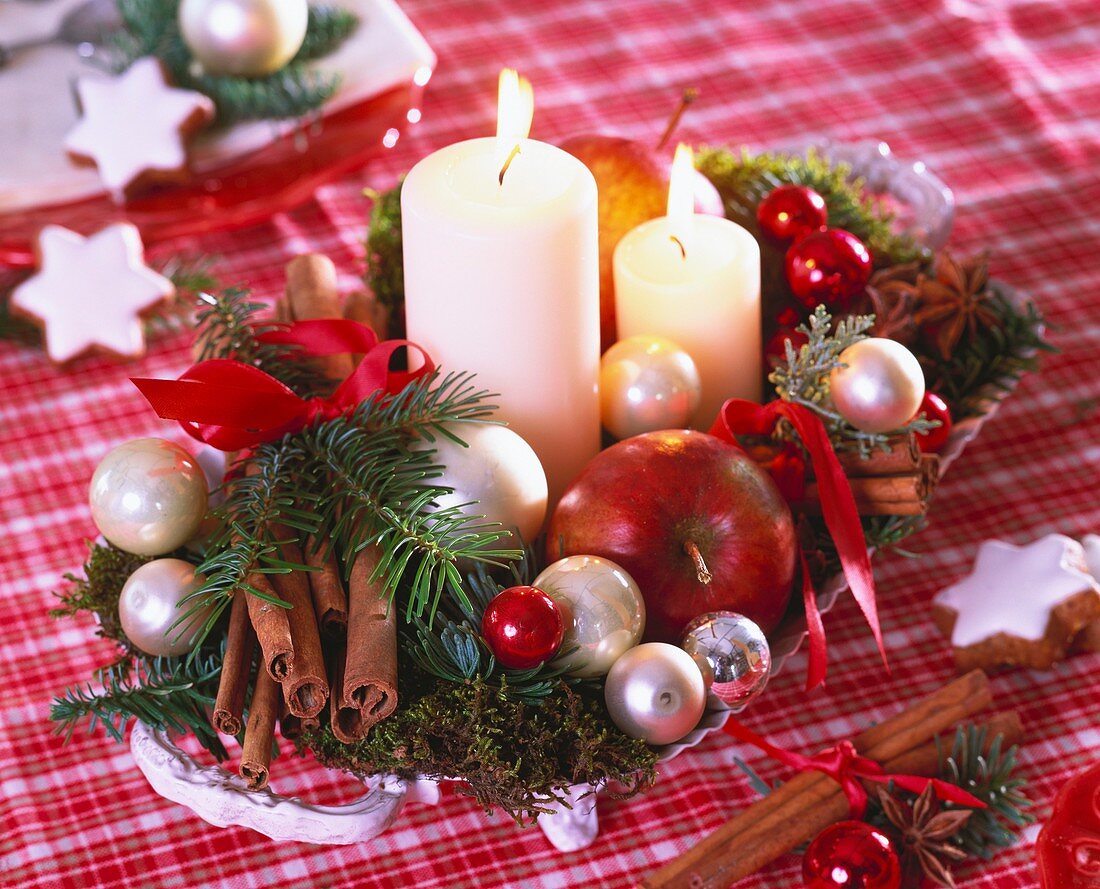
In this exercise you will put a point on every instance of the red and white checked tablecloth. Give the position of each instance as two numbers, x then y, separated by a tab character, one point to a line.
1000	97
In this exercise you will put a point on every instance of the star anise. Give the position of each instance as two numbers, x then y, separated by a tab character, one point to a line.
925	830
955	301
891	293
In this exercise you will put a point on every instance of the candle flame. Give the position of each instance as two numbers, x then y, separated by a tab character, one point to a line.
515	109
681	193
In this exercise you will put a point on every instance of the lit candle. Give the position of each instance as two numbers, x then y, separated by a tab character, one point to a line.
502	278
695	279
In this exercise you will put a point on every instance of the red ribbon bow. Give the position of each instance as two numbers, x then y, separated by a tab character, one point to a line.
231	405
838	507
844	765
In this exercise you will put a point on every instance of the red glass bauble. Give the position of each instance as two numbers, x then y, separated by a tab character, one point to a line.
523	627
791	212
829	267
1069	843
851	855
934	408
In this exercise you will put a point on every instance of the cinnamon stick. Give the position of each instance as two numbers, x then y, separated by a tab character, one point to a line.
272	625
363	307
341	715
369	690
904	456
236	669
312	294
260	731
305	684
330	602
291	727
781	821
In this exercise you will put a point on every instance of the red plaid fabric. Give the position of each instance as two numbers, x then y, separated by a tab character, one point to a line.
1000	97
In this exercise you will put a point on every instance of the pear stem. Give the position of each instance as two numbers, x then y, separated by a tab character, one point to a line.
702	572
507	163
689	96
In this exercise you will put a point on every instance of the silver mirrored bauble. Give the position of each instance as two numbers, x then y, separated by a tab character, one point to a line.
880	388
647	383
603	609
497	474
148	496
248	38
732	653
655	692
148	607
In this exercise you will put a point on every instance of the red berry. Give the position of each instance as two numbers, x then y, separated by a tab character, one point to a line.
934	408
791	212
829	267
775	349
523	627
851	855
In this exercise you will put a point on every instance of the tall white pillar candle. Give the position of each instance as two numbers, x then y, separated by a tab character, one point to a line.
502	278
696	280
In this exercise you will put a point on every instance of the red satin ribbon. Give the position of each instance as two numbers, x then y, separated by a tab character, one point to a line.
231	405
838	508
845	766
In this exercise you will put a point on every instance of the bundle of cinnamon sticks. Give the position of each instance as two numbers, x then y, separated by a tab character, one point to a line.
899	481
333	646
809	802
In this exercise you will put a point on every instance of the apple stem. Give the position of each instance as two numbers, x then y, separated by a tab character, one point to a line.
701	570
689	96
507	163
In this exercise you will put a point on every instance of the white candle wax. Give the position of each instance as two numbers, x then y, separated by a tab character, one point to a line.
503	280
706	299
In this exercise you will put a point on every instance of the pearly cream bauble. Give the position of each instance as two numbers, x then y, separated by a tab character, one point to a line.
148	496
603	609
880	388
498	470
149	605
247	38
655	692
647	383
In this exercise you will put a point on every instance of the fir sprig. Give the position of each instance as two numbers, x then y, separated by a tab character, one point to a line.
151	28
166	693
989	777
262	504
230	326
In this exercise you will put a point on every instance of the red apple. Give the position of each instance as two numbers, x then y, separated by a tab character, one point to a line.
654	502
632	180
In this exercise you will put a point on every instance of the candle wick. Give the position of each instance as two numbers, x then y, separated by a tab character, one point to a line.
680	244
507	163
689	96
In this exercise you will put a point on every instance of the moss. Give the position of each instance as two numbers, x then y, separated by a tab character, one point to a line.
106	569
509	754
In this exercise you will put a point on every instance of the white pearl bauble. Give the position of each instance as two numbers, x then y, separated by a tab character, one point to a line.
647	383
248	38
881	387
732	653
498	470
655	692
148	607
603	609
148	496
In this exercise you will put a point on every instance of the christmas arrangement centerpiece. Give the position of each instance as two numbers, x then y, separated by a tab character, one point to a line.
422	559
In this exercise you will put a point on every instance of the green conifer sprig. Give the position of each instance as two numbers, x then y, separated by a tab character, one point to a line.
151	28
166	693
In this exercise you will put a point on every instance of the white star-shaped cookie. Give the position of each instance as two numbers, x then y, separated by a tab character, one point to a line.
90	292
1014	589
134	126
